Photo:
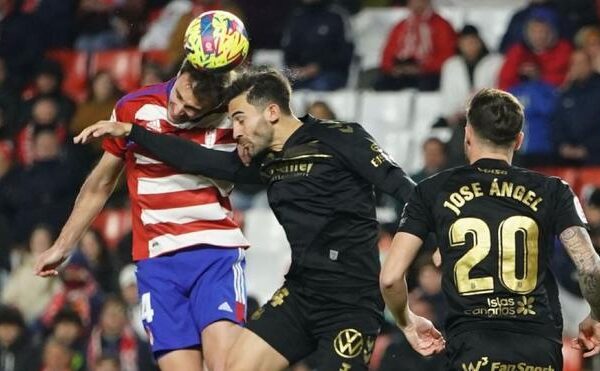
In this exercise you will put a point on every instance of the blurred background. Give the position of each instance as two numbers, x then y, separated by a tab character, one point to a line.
402	68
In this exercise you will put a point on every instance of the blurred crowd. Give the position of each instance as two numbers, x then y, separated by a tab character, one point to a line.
88	316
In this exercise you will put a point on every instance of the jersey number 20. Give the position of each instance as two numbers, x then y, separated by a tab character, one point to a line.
509	231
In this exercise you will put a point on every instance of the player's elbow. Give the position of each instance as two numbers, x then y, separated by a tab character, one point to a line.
389	278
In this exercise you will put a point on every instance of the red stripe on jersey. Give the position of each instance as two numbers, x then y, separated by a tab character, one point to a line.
159	229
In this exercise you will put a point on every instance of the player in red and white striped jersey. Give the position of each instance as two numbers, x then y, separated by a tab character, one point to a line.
189	252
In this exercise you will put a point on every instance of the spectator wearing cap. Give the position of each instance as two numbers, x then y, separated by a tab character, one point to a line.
576	126
416	49
471	69
317	45
129	293
542	55
15	349
24	290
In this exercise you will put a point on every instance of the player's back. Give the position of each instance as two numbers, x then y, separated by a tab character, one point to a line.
496	226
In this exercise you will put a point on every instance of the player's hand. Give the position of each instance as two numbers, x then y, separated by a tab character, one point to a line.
47	263
588	339
101	128
423	336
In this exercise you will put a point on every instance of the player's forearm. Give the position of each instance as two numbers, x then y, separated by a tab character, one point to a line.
395	295
188	156
579	246
91	199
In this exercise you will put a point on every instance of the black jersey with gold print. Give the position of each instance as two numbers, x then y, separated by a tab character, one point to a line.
320	187
496	226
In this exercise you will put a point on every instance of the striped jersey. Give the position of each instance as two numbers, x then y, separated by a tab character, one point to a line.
172	210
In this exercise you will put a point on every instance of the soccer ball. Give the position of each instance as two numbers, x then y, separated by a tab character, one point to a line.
216	40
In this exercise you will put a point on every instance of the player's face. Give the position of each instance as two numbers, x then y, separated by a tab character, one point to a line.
183	106
252	128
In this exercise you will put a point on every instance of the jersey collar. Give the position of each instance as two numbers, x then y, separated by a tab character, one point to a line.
491	162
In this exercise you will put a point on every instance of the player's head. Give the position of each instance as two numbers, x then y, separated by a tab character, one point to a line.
196	93
494	123
258	99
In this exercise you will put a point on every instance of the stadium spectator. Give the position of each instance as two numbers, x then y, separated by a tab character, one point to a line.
471	69
107	363
79	292
103	94
21	44
542	55
174	49
56	356
539	101
113	336
435	158
321	110
15	347
94	27
159	32
23	290
515	31
259	13
576	128
47	82
44	116
588	39
99	260
57	19
416	49
68	329
317	45
129	293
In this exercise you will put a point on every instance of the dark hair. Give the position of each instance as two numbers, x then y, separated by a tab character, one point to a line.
495	115
67	315
11	316
207	85
435	140
263	85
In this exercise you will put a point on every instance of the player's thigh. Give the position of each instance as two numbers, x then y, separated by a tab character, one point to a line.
502	350
347	341
181	359
251	352
217	340
165	310
282	324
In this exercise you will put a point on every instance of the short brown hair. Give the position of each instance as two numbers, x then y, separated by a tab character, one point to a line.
495	115
208	85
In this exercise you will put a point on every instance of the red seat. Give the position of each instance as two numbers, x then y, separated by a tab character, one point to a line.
158	56
125	65
74	66
568	174
589	176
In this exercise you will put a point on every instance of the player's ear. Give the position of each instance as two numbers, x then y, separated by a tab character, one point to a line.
272	113
468	133
519	140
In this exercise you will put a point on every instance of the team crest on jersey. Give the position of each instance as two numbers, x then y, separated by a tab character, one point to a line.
154	126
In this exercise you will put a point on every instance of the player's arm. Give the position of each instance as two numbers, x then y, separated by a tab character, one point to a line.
184	155
94	193
415	225
578	244
372	163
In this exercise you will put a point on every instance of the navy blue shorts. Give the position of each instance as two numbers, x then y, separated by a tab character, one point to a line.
184	292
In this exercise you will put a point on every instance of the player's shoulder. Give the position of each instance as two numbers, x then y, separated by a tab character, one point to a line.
153	95
335	131
534	177
435	182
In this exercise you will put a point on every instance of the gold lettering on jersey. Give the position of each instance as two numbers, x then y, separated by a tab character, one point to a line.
290	168
469	192
492	171
521	366
475	366
465	193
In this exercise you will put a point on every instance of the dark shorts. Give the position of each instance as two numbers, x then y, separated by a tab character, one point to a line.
297	324
494	350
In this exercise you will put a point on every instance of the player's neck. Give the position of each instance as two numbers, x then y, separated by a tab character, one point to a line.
284	129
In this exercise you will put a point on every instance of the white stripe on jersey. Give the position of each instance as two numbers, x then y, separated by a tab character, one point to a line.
151	112
169	242
143	160
171	183
182	215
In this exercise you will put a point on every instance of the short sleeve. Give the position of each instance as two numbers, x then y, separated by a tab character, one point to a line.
568	211
115	146
416	217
